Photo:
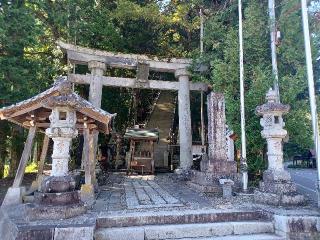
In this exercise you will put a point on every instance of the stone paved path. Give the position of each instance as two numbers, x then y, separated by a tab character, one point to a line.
156	193
143	193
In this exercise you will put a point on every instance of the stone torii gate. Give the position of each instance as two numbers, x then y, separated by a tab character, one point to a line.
98	60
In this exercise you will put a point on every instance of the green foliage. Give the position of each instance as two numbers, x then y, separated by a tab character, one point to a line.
222	54
30	60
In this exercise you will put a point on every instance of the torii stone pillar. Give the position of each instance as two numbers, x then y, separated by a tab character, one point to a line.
185	136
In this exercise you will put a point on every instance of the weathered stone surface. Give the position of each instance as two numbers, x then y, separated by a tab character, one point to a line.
13	196
132	233
74	233
297	227
217	150
178	217
58	184
209	181
39	212
185	135
148	194
277	187
252	227
216	165
87	195
36	234
55	199
226	187
186	231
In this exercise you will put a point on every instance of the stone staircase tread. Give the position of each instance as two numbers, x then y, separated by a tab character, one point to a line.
177	217
239	237
187	231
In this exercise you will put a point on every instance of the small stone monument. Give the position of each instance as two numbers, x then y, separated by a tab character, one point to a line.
226	187
276	187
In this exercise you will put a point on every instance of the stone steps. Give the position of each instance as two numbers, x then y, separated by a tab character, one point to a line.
216	230
179	216
264	236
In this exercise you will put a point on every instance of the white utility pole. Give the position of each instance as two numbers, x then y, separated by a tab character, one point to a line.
313	104
273	37
243	130
201	52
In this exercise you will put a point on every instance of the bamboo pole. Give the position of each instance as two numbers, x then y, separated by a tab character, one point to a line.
242	113
313	104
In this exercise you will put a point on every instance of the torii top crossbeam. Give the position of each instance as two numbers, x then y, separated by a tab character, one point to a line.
143	64
82	55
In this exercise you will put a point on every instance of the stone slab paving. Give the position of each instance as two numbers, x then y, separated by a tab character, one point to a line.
144	193
120	193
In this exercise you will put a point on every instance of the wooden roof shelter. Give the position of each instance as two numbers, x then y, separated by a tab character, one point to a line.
36	110
36	114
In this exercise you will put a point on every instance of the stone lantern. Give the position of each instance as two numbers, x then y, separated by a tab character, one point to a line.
62	130
276	187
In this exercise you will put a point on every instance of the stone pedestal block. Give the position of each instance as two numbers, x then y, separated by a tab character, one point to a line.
210	181
226	187
87	194
49	212
13	196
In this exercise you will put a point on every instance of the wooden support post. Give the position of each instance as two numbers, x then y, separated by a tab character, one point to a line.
43	155
24	158
87	189
88	138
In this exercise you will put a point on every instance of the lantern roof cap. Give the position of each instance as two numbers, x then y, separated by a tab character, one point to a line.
272	106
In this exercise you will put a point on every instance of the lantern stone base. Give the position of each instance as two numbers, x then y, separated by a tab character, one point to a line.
44	212
208	181
57	199
277	189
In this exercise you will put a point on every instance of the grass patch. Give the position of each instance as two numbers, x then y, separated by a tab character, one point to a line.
31	168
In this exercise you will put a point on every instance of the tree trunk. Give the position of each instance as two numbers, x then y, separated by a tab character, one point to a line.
16	149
